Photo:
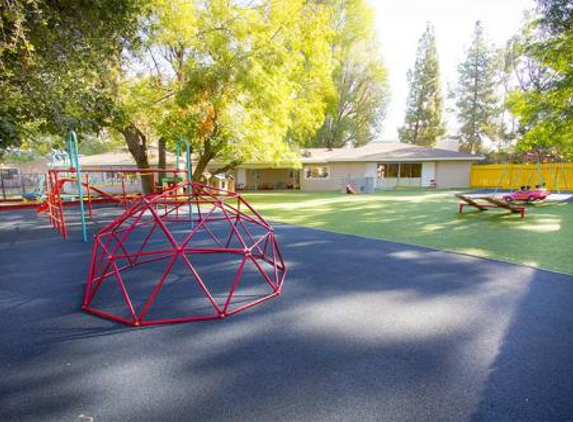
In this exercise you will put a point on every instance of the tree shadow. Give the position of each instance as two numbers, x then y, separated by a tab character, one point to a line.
532	377
365	330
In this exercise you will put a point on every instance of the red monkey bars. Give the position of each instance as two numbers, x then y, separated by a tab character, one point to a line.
158	229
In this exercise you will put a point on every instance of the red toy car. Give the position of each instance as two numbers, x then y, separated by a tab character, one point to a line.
526	194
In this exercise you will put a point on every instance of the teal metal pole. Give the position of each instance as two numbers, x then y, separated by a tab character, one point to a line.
189	169
73	151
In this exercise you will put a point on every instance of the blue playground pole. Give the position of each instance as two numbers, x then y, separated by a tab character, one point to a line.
189	168
73	151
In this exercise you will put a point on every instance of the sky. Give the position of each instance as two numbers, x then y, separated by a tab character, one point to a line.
400	23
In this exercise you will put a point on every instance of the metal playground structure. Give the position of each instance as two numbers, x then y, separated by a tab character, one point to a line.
185	252
540	178
225	251
71	185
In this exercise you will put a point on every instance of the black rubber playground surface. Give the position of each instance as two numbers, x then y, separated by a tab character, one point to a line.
365	330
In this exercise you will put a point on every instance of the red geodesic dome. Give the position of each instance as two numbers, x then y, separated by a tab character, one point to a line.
191	253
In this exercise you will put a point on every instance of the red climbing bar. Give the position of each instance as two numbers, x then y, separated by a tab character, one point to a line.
131	240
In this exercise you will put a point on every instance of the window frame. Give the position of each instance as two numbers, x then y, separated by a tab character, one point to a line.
307	177
387	170
394	170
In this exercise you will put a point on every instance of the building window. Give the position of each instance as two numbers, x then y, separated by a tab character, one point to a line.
388	171
410	170
317	172
399	170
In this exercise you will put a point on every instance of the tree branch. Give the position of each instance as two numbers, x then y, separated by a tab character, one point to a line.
227	167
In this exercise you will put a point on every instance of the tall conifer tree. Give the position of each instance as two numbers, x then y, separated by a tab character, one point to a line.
423	123
477	99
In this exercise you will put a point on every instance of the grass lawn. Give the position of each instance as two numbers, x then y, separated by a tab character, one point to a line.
430	218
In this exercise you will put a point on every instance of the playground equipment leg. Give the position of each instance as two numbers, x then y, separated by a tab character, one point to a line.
72	141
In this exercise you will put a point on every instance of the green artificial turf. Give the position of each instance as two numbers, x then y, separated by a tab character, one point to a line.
544	238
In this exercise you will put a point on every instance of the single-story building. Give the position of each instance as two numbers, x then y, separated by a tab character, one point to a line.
377	165
121	158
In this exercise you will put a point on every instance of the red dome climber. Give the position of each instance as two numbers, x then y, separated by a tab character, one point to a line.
190	253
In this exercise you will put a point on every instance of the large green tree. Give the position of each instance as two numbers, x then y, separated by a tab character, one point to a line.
58	64
423	122
241	82
357	109
542	103
477	93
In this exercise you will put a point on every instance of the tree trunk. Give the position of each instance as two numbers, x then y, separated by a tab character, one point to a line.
200	167
162	157
226	168
205	157
137	145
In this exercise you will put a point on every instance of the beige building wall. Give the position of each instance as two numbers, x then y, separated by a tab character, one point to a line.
263	179
448	174
339	172
453	174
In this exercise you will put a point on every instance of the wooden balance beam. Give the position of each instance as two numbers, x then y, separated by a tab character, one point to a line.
490	202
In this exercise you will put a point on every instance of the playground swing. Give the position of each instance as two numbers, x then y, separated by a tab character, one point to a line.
550	170
524	190
513	201
545	181
484	202
39	192
38	195
527	184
